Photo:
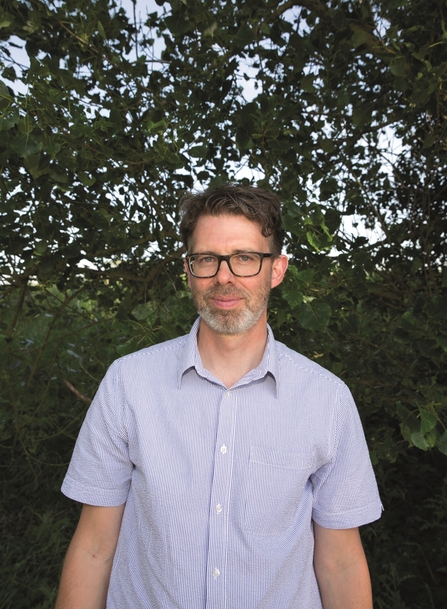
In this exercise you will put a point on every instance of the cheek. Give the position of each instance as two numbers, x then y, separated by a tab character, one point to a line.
196	286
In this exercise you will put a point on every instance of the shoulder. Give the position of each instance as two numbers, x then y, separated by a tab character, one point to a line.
301	367
157	357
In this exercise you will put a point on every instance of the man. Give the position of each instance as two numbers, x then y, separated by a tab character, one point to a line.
221	469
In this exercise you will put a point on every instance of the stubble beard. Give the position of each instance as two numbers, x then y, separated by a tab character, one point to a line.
229	321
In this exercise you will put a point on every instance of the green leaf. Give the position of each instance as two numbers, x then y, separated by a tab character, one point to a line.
101	30
307	83
442	342
428	142
410	422
37	165
419	441
52	148
314	315
437	307
337	368
408	321
86	179
431	438
244	36
279	145
442	443
198	152
402	412
211	29
422	53
9	73
326	144
398	66
328	188
293	281
58	174
428	421
359	38
291	294
41	248
243	141
158	127
178	24
427	347
318	241
8	121
26	145
305	276
25	125
361	116
343	99
6	20
5	96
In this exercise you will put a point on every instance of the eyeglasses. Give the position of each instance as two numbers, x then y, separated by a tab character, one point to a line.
244	264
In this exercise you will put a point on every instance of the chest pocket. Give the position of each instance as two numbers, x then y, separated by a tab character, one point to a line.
275	484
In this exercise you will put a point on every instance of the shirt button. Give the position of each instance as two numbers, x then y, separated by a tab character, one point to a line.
216	573
228	394
219	508
223	449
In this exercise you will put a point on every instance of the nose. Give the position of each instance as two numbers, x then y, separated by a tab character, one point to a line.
224	275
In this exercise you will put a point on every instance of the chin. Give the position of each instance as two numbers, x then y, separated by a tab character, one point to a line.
229	323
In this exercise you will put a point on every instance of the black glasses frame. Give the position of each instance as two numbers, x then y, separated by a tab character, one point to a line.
261	255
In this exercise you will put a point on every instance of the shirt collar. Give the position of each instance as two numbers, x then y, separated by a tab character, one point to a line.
190	358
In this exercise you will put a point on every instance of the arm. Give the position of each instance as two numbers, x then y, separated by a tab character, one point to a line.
87	566
341	569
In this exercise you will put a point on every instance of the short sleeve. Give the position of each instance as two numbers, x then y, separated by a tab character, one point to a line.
345	489
100	469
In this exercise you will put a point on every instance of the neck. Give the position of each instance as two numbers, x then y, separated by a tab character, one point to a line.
230	356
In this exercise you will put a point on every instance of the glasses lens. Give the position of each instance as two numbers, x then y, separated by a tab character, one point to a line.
242	265
203	265
245	264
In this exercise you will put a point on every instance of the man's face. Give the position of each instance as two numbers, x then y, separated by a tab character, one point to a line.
229	304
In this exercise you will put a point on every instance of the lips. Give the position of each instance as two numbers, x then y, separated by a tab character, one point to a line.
224	299
226	303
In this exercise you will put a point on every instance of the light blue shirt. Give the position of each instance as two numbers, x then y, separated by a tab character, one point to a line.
221	486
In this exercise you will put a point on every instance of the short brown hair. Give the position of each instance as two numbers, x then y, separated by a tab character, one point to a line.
258	205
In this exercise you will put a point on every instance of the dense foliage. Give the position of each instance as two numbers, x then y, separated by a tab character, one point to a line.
105	120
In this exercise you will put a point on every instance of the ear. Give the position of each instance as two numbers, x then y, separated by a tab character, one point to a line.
279	268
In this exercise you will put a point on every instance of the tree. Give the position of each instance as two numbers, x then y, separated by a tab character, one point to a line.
100	138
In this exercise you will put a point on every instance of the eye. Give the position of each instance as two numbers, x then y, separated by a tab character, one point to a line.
244	258
205	259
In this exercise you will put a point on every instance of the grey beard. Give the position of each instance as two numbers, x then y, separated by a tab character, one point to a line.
231	322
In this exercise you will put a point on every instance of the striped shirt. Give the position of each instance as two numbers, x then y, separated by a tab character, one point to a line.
221	485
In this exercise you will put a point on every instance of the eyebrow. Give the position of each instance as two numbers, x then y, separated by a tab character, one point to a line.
239	251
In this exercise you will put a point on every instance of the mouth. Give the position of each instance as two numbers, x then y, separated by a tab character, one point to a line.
225	302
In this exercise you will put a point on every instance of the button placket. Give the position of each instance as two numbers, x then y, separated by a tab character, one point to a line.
220	500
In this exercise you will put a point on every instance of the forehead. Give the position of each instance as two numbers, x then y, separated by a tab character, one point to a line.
226	234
